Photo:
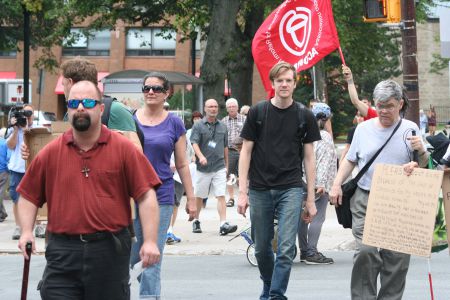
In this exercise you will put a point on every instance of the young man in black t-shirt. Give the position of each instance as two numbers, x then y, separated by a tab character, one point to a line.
271	159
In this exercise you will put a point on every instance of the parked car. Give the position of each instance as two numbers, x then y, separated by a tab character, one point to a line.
43	118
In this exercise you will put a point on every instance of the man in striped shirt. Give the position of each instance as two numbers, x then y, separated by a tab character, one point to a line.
234	122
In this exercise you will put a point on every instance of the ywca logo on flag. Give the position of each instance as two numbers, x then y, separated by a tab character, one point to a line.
300	32
295	30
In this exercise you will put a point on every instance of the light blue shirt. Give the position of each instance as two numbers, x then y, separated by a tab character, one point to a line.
369	137
16	162
423	121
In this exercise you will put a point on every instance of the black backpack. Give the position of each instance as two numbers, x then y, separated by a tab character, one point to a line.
107	101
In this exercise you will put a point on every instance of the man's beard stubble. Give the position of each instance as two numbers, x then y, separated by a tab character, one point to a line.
81	121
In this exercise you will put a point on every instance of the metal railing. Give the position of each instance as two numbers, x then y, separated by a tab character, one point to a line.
442	114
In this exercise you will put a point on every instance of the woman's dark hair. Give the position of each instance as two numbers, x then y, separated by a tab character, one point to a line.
160	76
196	114
321	122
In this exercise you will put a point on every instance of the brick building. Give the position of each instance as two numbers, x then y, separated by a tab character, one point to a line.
111	51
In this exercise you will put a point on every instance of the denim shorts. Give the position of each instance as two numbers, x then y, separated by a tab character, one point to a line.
14	180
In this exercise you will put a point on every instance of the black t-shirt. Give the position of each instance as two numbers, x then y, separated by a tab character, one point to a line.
276	162
350	134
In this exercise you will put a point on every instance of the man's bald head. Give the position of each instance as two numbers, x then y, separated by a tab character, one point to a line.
211	108
86	88
210	101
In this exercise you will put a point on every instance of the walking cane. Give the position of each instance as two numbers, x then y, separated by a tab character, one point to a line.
26	271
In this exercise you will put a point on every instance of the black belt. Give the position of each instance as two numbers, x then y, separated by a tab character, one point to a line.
88	237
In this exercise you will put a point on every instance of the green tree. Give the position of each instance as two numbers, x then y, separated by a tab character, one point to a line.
228	50
228	27
50	22
372	51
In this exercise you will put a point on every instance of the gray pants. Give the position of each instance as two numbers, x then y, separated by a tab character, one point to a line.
233	162
3	180
369	262
308	236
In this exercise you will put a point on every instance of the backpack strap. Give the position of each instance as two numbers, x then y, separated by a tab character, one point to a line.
138	129
261	114
301	121
107	101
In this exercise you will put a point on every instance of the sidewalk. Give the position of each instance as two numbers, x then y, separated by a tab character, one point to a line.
333	237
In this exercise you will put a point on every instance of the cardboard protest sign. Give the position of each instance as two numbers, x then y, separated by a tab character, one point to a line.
446	198
36	139
401	210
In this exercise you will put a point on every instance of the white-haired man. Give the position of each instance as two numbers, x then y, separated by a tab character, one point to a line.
370	262
234	122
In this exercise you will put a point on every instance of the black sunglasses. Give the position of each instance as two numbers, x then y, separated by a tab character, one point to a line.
157	89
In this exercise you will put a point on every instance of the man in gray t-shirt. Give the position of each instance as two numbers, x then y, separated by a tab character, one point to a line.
371	262
210	142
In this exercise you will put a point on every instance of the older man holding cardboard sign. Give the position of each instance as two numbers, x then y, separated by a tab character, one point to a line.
370	136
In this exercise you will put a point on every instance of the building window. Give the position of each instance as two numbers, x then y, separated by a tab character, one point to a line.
78	43
198	45
150	42
8	53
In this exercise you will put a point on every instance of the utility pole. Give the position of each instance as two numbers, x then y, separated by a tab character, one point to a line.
26	55
409	58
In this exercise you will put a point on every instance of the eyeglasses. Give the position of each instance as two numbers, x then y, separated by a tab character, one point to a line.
87	103
390	107
157	89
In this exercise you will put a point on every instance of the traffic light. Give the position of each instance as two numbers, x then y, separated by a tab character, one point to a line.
385	11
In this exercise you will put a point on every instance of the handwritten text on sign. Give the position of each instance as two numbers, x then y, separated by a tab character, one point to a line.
402	209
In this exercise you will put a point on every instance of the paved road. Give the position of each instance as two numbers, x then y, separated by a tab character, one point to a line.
228	277
333	236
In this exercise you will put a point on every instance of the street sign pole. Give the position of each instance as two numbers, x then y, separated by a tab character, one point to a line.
409	58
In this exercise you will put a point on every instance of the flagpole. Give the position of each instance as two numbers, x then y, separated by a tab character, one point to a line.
314	82
341	55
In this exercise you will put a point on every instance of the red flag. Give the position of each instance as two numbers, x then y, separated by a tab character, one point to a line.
300	32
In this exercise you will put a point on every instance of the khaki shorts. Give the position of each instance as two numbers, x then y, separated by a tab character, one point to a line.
215	180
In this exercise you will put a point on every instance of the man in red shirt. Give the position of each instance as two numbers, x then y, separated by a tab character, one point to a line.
363	106
87	177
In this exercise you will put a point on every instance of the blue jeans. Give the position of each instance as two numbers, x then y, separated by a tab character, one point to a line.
286	204
150	279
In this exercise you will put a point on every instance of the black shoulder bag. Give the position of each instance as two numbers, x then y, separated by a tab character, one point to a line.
343	213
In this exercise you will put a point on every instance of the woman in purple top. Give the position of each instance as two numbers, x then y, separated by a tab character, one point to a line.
164	133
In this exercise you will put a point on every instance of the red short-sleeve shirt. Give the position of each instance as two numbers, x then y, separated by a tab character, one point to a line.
99	202
371	113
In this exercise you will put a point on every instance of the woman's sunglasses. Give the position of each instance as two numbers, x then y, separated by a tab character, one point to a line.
87	103
157	89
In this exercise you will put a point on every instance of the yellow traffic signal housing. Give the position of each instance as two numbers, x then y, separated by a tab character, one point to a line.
385	11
